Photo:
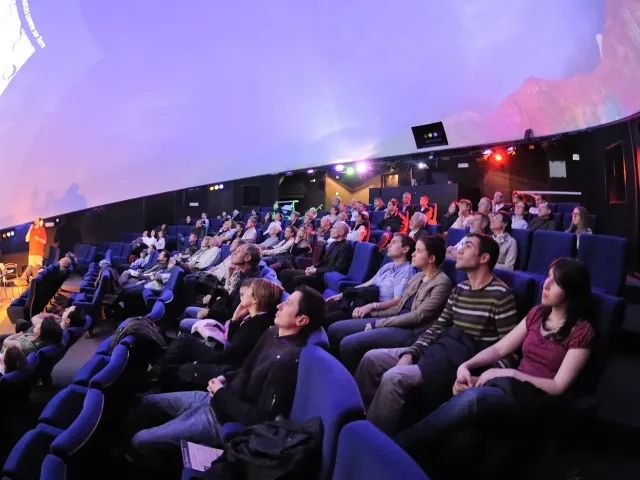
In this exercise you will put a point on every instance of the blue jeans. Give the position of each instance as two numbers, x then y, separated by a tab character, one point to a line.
192	312
193	420
474	404
350	342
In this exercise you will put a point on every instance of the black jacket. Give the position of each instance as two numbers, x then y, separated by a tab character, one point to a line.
542	224
396	223
337	259
264	387
242	338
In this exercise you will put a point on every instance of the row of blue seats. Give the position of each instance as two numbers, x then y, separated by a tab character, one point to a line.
36	297
606	256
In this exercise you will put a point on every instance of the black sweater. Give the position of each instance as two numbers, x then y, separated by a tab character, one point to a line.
243	337
265	385
337	259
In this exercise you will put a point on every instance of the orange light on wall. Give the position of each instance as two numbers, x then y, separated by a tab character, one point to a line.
498	157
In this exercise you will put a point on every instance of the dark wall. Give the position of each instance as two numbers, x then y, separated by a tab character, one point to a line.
300	187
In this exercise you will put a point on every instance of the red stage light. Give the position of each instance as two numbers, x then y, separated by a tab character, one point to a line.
498	157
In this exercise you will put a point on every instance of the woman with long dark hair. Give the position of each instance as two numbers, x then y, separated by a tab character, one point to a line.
556	343
362	229
451	216
579	222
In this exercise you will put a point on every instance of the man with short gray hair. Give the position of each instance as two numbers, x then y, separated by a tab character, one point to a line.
337	258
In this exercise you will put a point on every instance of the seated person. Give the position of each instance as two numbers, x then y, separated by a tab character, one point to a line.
309	220
189	362
250	234
555	339
71	317
544	221
518	222
137	265
393	222
47	332
204	258
12	360
223	300
152	278
449	218
336	259
480	224
295	220
160	242
227	233
332	216
579	223
301	247
465	214
187	221
277	220
421	303
378	204
281	247
479	312
362	229
390	282
272	239
501	228
199	229
416	224
162	260
324	230
189	250
266	221
262	389
426	210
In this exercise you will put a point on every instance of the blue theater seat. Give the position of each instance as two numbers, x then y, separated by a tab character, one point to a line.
558	218
547	246
175	279
361	269
606	258
566	208
376	218
365	453
449	268
48	357
53	468
454	235
324	389
523	288
523	239
26	457
102	371
92	303
75	333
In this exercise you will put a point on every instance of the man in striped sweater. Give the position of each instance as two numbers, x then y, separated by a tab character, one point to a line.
479	312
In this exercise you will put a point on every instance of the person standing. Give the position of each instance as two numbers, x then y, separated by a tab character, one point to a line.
37	239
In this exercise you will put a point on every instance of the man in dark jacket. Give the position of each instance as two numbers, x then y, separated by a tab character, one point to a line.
260	391
337	259
544	221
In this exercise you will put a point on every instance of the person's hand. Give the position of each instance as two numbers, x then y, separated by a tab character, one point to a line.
240	313
202	313
206	299
214	385
361	312
221	379
463	375
405	359
494	373
335	298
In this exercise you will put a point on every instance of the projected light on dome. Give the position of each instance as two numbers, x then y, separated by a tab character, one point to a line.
339	168
362	167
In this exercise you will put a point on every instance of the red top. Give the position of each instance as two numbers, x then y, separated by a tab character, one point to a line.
542	357
36	247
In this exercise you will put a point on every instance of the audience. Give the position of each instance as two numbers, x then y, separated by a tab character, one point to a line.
518	222
555	339
332	217
485	206
479	312
189	363
388	285
207	256
538	200
579	223
273	238
160	242
250	234
378	204
480	224
501	228
465	215
295	220
417	224
12	359
283	246
362	229
426	210
398	325
46	332
544	221
392	223
406	209
337	258
450	217
498	202
325	227
300	247
260	391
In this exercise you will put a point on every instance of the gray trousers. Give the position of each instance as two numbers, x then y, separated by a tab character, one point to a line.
384	386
